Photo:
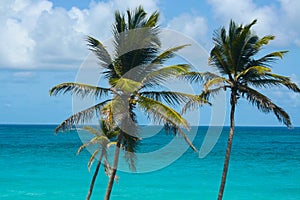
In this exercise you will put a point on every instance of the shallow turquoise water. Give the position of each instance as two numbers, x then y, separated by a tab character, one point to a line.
265	164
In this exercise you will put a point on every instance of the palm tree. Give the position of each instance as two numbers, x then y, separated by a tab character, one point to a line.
235	57
102	138
136	74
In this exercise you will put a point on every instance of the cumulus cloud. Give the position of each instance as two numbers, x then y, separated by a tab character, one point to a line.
190	25
35	34
279	18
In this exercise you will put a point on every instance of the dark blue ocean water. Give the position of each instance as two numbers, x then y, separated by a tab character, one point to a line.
265	164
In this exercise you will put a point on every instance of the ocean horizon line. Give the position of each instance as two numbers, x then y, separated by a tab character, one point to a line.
227	126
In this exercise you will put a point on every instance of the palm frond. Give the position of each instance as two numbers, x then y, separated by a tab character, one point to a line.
215	82
265	105
194	103
167	54
82	116
270	80
152	20
126	85
217	60
161	75
91	130
130	144
100	51
80	89
257	70
136	41
161	113
91	142
285	81
110	144
187	139
92	158
198	77
211	93
174	129
269	58
264	41
170	97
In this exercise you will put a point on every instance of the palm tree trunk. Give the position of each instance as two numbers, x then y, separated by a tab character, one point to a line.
114	170
233	100
94	178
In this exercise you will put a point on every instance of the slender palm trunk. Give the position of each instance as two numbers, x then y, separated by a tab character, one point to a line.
114	170
94	178
233	100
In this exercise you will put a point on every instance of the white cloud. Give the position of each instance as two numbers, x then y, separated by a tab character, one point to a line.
34	34
192	26
279	18
24	74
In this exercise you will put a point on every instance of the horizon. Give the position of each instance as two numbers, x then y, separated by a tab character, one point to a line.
43	45
224	126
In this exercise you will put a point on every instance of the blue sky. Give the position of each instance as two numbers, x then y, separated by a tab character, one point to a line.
42	44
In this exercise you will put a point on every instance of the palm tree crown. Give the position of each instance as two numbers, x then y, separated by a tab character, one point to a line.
132	72
102	140
236	57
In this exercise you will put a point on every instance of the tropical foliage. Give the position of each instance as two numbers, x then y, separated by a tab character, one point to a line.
135	73
102	140
242	71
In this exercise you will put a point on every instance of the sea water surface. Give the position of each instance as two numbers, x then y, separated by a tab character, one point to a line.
37	164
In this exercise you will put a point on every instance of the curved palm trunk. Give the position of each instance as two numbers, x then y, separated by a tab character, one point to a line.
233	100
114	170
94	178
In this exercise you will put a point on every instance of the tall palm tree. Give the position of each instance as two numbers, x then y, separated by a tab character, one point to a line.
103	139
236	57
136	74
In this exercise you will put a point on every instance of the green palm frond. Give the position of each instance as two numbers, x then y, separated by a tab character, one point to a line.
152	20
271	80
167	54
174	98
80	89
111	143
257	70
264	41
194	103
170	127
285	81
126	85
161	113
92	158
269	58
198	77
91	130
130	145
100	51
93	141
218	81
187	139
101	139
211	93
136	40
161	75
216	60
264	104
82	116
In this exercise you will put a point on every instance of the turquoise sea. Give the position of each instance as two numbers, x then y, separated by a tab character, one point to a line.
265	164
